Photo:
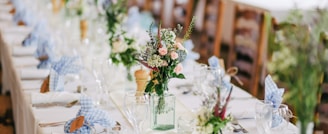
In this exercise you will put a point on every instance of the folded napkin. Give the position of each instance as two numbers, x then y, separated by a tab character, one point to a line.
92	116
33	73
45	48
23	51
66	65
39	33
273	94
5	16
191	55
54	97
26	61
31	84
25	15
215	62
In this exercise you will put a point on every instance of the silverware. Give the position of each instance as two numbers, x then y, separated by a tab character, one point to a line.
52	124
46	105
71	104
241	128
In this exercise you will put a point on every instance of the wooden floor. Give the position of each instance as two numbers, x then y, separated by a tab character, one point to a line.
6	118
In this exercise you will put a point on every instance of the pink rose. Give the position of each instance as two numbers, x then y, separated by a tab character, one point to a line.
179	46
162	51
174	55
178	69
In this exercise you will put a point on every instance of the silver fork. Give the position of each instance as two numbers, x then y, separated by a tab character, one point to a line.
241	128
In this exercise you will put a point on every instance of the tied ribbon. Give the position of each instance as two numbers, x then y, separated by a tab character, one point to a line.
66	65
92	116
274	95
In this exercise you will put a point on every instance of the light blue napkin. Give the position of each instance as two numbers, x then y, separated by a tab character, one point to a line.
92	116
66	65
25	15
191	55
45	48
213	61
273	94
40	32
133	19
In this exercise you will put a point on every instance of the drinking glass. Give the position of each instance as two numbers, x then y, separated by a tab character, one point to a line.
98	66
197	77
186	124
136	107
281	116
263	116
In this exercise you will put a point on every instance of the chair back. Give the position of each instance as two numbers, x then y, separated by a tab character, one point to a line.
246	48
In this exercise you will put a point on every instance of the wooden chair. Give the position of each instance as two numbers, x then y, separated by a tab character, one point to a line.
246	48
182	13
144	5
210	41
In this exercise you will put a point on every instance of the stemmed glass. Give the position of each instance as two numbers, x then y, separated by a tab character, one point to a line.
136	107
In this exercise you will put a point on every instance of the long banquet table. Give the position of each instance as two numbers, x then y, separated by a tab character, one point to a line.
28	118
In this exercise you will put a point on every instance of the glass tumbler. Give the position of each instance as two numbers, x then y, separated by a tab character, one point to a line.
263	116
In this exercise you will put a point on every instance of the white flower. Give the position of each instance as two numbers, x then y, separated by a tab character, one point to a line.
155	61
119	46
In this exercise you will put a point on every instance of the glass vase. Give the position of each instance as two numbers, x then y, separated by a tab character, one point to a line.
305	127
162	111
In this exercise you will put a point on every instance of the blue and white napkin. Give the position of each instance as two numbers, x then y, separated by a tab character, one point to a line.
275	95
45	48
25	15
191	55
92	116
40	32
215	62
66	65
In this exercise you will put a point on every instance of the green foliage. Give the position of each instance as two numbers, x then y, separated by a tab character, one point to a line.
114	16
299	60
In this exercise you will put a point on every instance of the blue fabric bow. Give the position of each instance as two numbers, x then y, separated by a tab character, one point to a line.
274	95
92	116
214	62
66	65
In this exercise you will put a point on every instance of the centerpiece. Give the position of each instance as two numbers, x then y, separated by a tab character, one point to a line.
123	48
163	56
79	8
299	60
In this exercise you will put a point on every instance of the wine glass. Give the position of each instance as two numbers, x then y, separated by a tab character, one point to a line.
136	107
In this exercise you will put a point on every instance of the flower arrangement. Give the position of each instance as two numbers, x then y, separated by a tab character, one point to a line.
76	8
163	55
123	48
299	59
212	119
